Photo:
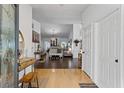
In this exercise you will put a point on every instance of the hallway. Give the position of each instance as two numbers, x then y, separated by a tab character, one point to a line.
81	42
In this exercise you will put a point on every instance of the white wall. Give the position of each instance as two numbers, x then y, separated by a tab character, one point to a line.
91	16
76	35
96	12
25	26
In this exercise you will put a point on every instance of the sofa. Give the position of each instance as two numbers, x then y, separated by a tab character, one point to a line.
56	52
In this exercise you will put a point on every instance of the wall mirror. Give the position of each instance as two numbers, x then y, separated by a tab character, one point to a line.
21	45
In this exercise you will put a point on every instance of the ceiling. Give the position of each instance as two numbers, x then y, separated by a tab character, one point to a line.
57	30
58	17
58	13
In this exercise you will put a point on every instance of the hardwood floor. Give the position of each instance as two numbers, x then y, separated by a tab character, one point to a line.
61	78
65	63
63	73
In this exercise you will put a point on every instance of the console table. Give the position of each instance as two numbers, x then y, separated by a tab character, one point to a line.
25	62
26	70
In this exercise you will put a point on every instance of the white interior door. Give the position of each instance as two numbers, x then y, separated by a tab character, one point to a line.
109	50
87	50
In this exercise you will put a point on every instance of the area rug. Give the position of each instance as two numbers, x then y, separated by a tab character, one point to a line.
88	85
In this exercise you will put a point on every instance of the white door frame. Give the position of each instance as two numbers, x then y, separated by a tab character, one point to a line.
92	49
94	52
122	47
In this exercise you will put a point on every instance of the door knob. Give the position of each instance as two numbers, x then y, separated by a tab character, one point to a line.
116	60
83	52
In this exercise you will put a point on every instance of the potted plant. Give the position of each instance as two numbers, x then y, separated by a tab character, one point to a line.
76	41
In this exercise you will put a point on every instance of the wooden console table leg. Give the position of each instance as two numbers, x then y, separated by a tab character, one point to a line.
22	85
29	86
37	82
